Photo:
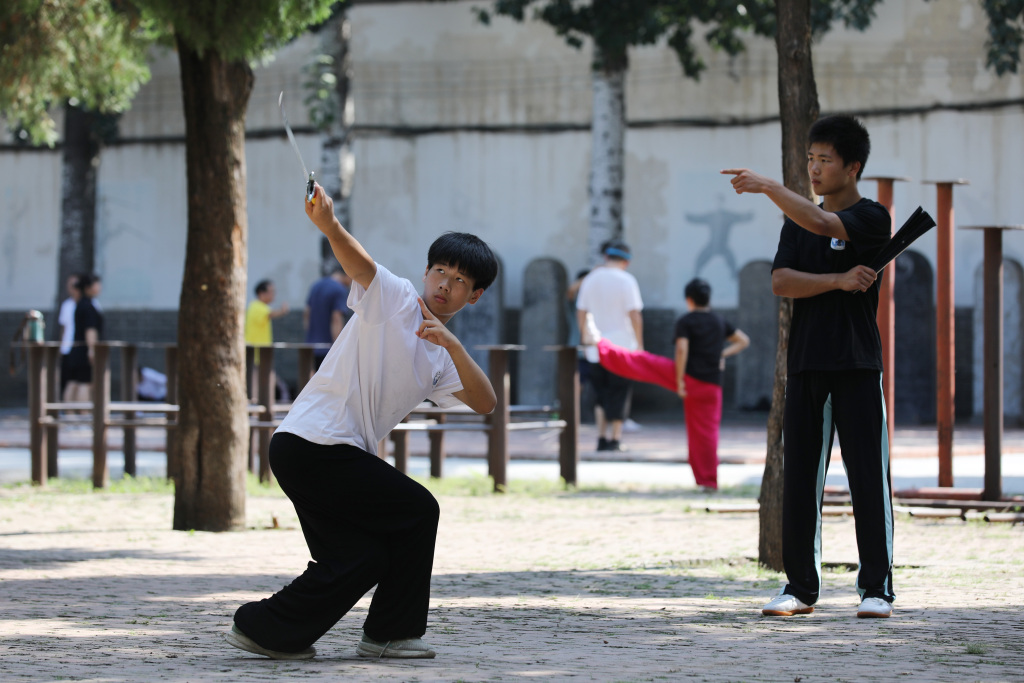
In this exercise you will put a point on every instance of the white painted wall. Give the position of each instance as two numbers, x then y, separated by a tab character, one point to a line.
523	187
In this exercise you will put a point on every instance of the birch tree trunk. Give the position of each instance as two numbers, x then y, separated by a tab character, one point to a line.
337	163
798	109
607	160
208	457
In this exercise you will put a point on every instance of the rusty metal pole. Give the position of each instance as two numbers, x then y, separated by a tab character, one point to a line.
887	311
993	358
945	345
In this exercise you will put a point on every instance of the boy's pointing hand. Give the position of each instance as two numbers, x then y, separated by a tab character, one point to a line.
745	180
432	329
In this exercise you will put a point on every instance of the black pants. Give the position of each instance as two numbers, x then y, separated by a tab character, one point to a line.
611	391
819	405
366	524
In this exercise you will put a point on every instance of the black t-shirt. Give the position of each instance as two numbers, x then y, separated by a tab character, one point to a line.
87	316
836	330
706	333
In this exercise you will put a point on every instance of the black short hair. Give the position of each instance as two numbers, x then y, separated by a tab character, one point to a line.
847	135
699	291
262	286
468	253
86	280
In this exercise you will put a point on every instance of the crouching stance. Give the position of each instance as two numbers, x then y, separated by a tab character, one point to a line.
365	523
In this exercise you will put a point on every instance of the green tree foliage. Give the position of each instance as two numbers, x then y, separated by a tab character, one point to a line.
1005	34
238	30
616	25
88	52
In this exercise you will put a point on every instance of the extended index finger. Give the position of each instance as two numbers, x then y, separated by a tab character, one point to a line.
732	171
426	311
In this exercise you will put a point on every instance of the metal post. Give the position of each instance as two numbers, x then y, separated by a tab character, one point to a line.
266	398
497	435
171	368
569	410
945	325
36	393
437	449
887	311
100	411
305	368
129	383
992	359
53	395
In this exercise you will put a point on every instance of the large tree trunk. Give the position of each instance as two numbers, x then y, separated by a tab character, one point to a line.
798	109
607	150
78	198
208	457
337	163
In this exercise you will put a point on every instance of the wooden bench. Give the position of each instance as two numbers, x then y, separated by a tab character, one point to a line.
506	418
265	414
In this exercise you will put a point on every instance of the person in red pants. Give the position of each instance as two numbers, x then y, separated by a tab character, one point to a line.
703	340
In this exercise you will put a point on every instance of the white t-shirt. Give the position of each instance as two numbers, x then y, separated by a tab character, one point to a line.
376	372
610	293
66	319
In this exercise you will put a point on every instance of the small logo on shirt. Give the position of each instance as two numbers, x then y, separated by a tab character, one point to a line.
437	377
838	244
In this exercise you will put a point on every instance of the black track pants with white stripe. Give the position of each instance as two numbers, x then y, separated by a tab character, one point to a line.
818	406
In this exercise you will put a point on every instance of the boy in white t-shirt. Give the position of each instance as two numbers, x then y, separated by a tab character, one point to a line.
366	523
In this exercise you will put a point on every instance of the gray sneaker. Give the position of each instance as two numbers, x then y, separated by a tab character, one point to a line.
243	642
405	648
784	605
875	608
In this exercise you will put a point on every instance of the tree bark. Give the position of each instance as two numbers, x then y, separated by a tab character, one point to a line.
337	162
208	458
607	152
78	199
798	109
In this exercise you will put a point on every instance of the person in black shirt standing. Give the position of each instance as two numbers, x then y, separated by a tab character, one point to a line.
834	364
88	323
701	350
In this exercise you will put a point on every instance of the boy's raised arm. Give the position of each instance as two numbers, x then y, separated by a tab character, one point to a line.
350	254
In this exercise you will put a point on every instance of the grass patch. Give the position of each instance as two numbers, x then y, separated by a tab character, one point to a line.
127	484
975	649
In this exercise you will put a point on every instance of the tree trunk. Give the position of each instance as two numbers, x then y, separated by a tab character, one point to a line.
208	458
78	199
607	150
337	164
798	109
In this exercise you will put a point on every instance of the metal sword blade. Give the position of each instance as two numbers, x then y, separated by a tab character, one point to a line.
291	136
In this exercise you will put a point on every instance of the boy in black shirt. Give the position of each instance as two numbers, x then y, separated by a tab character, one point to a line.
834	364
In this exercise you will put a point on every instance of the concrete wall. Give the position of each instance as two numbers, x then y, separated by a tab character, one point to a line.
486	129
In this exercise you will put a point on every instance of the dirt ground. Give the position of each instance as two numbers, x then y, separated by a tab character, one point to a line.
607	585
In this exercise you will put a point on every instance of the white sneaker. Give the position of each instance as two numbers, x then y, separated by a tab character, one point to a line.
784	605
243	642
876	608
405	648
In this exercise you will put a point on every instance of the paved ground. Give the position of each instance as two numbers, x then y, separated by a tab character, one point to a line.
629	581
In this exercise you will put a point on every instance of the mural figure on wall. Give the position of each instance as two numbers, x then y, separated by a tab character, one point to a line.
719	222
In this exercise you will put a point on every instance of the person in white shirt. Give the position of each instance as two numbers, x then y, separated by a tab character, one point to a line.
66	320
612	297
366	523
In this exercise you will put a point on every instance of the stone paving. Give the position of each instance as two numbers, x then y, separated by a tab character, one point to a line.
626	583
